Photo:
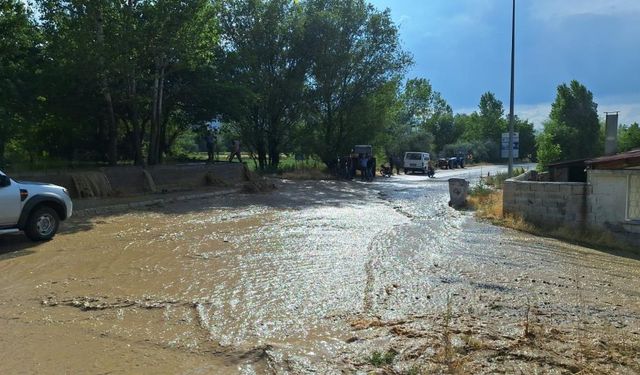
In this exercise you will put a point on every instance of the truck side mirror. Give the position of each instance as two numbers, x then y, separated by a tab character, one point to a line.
4	181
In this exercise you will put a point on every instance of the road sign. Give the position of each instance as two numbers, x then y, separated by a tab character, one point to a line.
504	145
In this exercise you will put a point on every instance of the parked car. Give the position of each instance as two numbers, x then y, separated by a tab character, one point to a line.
416	162
33	207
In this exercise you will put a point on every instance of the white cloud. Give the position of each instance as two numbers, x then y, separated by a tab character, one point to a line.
554	9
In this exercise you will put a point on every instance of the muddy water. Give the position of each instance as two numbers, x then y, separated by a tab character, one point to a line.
314	277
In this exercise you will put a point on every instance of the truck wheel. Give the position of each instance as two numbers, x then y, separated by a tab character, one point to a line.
42	224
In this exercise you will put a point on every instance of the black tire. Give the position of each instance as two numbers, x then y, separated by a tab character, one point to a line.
42	224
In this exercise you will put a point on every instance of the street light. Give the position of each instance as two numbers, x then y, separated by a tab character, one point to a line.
511	119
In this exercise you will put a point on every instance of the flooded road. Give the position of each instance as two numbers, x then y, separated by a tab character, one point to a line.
316	277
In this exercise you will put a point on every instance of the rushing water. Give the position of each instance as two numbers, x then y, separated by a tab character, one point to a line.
315	277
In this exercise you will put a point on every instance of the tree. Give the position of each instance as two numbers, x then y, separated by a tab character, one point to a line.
115	72
629	137
526	132
424	110
355	53
487	125
265	40
19	55
573	129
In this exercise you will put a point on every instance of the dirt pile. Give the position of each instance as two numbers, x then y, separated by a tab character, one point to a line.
257	184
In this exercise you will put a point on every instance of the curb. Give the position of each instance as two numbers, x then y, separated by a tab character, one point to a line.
116	208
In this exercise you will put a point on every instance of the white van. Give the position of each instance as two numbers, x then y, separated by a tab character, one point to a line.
416	162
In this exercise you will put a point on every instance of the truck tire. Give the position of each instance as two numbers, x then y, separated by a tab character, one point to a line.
42	224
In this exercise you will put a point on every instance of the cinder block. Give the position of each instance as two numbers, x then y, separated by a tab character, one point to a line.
578	190
551	187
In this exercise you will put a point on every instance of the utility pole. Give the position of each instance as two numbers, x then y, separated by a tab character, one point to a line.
511	116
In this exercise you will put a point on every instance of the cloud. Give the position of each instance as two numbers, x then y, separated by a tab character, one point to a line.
554	9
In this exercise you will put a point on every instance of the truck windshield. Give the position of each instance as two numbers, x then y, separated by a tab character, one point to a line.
413	156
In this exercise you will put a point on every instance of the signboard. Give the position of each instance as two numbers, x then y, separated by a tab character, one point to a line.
504	145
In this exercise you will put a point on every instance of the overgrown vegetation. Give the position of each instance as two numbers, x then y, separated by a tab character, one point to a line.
378	359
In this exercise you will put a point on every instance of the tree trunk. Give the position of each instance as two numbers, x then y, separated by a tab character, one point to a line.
155	124
161	123
274	153
156	118
112	148
137	133
2	149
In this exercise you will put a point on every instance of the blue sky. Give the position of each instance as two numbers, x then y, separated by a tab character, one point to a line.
463	48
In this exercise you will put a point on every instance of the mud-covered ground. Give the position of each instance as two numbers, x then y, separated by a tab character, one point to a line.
316	277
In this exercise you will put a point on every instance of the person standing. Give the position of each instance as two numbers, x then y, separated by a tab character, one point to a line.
364	161
370	168
210	139
235	151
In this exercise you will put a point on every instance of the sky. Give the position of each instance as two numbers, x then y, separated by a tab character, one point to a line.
463	47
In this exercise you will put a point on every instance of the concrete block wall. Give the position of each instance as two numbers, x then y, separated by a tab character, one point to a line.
132	180
548	203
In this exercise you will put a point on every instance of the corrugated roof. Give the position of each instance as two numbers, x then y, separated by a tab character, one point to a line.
617	161
568	163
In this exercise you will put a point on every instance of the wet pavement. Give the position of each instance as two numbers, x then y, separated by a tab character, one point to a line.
316	277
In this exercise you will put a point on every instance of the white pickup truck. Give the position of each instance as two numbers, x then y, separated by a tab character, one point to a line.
33	207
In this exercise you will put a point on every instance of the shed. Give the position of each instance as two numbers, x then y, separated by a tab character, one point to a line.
568	171
616	189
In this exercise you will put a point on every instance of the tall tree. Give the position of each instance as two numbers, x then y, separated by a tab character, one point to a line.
355	53
19	56
265	40
573	129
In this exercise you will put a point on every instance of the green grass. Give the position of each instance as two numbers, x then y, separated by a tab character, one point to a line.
498	179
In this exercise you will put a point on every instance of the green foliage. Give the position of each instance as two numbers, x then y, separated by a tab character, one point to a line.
497	180
355	54
573	129
481	189
128	81
19	51
480	150
629	137
266	40
379	359
527	136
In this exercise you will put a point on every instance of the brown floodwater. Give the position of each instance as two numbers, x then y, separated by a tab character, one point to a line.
316	277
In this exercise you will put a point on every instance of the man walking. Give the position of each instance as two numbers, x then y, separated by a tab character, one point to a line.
235	151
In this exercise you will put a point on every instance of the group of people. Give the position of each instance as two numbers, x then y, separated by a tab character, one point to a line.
367	167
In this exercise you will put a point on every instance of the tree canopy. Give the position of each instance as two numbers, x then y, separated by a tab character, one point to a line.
138	81
573	128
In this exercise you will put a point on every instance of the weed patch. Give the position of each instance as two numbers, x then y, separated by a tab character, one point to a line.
379	359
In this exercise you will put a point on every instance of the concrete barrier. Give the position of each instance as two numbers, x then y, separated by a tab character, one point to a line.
132	180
